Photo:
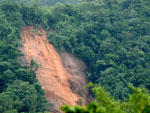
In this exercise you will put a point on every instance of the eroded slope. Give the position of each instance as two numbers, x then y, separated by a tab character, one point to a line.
53	77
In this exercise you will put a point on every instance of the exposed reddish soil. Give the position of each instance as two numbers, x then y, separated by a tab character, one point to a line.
62	80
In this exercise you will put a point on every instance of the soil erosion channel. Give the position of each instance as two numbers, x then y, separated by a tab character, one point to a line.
62	81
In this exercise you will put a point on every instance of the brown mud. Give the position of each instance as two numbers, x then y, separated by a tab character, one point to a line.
62	77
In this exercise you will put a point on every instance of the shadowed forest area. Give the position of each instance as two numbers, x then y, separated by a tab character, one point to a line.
111	36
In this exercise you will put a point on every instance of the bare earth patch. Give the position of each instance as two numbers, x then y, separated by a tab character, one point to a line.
62	80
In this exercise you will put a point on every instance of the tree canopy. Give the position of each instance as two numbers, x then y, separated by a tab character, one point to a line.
19	89
138	102
111	36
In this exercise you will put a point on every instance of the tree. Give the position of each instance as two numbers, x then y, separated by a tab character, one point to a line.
6	106
138	102
23	95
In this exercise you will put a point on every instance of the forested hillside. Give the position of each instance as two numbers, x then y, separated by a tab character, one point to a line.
19	89
54	2
111	36
45	2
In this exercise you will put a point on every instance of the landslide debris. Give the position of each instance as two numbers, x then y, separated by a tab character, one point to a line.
62	77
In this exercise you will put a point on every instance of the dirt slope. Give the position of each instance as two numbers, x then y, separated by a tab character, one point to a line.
61	85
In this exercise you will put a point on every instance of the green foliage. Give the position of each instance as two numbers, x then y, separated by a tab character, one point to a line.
23	95
138	102
110	36
19	89
54	2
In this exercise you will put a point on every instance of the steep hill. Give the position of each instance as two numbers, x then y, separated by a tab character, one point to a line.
61	87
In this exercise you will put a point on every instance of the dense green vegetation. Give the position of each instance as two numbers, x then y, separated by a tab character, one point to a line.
111	36
19	89
54	2
138	102
45	2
